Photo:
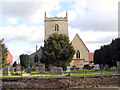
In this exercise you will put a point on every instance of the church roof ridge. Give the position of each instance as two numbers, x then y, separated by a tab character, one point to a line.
36	51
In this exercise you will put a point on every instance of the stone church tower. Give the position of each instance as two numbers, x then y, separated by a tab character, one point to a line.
60	25
55	25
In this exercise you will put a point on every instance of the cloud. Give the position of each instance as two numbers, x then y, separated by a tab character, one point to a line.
95	21
32	12
57	7
23	32
98	15
71	15
12	20
93	39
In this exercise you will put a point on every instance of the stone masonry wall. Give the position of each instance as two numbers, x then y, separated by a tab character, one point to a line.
68	82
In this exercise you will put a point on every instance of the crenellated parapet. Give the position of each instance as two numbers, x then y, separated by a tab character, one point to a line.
56	18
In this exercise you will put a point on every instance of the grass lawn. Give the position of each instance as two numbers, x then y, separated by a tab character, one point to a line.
72	73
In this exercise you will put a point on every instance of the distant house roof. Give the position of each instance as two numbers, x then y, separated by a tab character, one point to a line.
9	53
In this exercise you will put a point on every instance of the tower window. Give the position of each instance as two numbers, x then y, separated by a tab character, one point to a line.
36	58
78	54
56	27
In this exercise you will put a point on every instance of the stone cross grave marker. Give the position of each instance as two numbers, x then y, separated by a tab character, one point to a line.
56	70
96	66
80	67
5	71
107	68
29	70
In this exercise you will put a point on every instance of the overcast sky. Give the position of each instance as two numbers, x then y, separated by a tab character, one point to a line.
22	22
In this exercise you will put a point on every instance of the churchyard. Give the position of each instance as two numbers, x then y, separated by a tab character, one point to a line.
12	72
57	78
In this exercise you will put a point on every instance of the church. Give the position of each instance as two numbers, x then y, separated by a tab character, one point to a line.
60	25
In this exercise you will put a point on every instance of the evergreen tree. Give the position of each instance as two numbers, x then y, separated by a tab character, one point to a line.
15	64
4	53
108	54
24	60
115	49
57	51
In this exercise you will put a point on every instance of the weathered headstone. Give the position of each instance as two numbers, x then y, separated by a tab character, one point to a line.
68	69
73	68
118	66
5	71
22	68
101	66
96	66
15	69
107	68
80	67
41	68
56	70
29	70
11	71
37	68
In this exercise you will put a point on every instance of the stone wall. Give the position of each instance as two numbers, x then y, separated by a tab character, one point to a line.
77	63
61	82
79	45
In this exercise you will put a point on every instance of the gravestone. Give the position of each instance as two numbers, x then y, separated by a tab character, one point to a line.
11	71
5	71
29	70
96	66
15	69
101	66
107	68
118	66
22	68
68	69
41	68
37	68
80	67
73	68
56	70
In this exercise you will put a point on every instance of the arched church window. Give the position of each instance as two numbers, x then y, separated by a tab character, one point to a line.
36	58
78	54
56	27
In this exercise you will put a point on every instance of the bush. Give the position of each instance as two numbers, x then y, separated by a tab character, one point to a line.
87	67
